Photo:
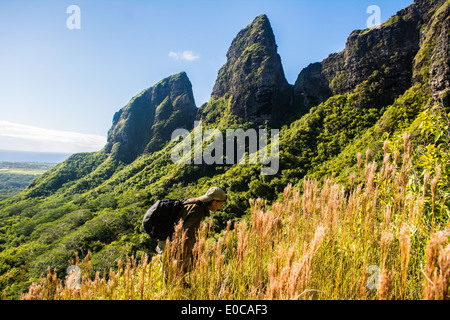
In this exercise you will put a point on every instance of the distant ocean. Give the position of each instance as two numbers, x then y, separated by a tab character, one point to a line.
24	156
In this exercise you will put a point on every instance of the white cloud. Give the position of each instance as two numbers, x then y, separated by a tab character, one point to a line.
186	55
21	137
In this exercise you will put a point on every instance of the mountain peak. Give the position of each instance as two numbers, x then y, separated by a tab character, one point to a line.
148	120
252	80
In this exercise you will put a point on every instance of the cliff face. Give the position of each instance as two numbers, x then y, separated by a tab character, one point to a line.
149	119
251	86
436	42
380	63
386	56
312	87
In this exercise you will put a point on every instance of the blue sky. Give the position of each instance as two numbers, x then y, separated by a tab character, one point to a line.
60	87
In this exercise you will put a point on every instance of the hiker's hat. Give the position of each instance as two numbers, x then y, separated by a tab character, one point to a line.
213	193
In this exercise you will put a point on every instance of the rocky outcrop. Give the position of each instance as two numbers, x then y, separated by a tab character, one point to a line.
251	86
385	56
438	38
149	119
379	64
312	86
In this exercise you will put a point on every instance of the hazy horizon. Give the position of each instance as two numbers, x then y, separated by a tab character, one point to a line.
26	156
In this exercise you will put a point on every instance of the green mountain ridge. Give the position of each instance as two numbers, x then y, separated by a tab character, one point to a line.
377	87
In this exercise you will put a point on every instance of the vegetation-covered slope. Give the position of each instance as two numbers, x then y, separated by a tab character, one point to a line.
16	176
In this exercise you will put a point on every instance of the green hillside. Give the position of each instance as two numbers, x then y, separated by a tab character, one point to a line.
379	88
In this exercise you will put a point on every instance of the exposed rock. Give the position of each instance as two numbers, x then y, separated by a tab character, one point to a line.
312	86
251	86
149	119
386	56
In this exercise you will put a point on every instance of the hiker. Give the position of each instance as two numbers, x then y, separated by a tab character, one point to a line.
191	216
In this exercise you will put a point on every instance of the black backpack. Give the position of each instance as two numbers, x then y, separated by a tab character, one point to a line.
159	221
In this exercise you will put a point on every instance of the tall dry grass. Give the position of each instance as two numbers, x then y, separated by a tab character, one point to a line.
374	241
